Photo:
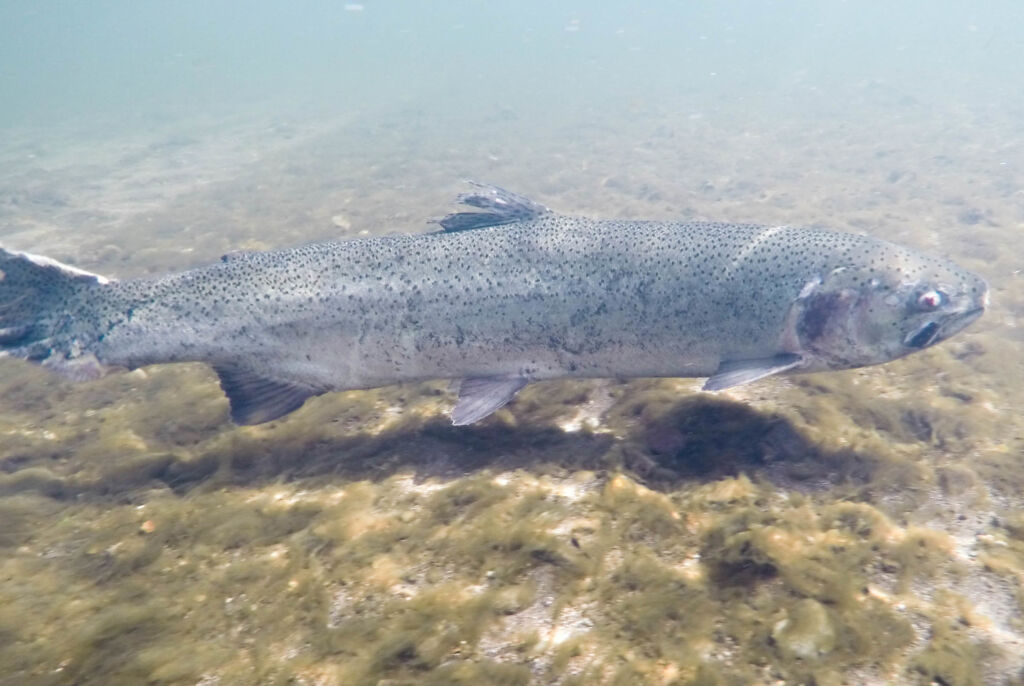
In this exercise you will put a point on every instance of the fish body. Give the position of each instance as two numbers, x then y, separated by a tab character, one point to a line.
499	298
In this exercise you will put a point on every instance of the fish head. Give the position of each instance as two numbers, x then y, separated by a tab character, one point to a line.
895	304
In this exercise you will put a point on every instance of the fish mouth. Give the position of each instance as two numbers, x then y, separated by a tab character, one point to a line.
958	322
932	332
923	337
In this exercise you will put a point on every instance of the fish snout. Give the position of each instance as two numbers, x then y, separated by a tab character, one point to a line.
972	308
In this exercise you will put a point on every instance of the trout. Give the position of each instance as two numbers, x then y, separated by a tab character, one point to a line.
506	293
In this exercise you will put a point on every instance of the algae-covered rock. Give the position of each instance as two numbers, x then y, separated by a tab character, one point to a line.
950	660
805	632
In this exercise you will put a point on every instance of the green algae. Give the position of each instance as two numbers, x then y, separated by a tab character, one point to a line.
374	572
951	658
38	479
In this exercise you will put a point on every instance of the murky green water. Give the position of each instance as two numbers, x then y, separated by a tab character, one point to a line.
862	527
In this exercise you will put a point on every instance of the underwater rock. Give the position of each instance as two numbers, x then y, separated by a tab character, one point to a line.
806	631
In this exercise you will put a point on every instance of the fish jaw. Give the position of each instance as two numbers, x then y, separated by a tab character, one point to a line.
934	332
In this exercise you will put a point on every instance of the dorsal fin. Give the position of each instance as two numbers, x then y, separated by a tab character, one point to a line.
236	255
503	207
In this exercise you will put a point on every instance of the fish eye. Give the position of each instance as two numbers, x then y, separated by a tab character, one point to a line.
930	300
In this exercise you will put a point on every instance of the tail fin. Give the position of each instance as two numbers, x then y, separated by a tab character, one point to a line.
41	301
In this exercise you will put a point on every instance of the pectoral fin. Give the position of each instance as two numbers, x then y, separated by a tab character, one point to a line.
738	372
256	399
482	396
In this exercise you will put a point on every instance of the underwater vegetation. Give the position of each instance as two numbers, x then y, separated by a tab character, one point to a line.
682	539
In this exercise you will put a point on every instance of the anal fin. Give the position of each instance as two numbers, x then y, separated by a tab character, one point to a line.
738	372
479	397
256	399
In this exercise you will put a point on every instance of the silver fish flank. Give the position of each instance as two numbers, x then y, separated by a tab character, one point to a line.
507	293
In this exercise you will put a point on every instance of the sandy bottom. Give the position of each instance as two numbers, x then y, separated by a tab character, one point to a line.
862	527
